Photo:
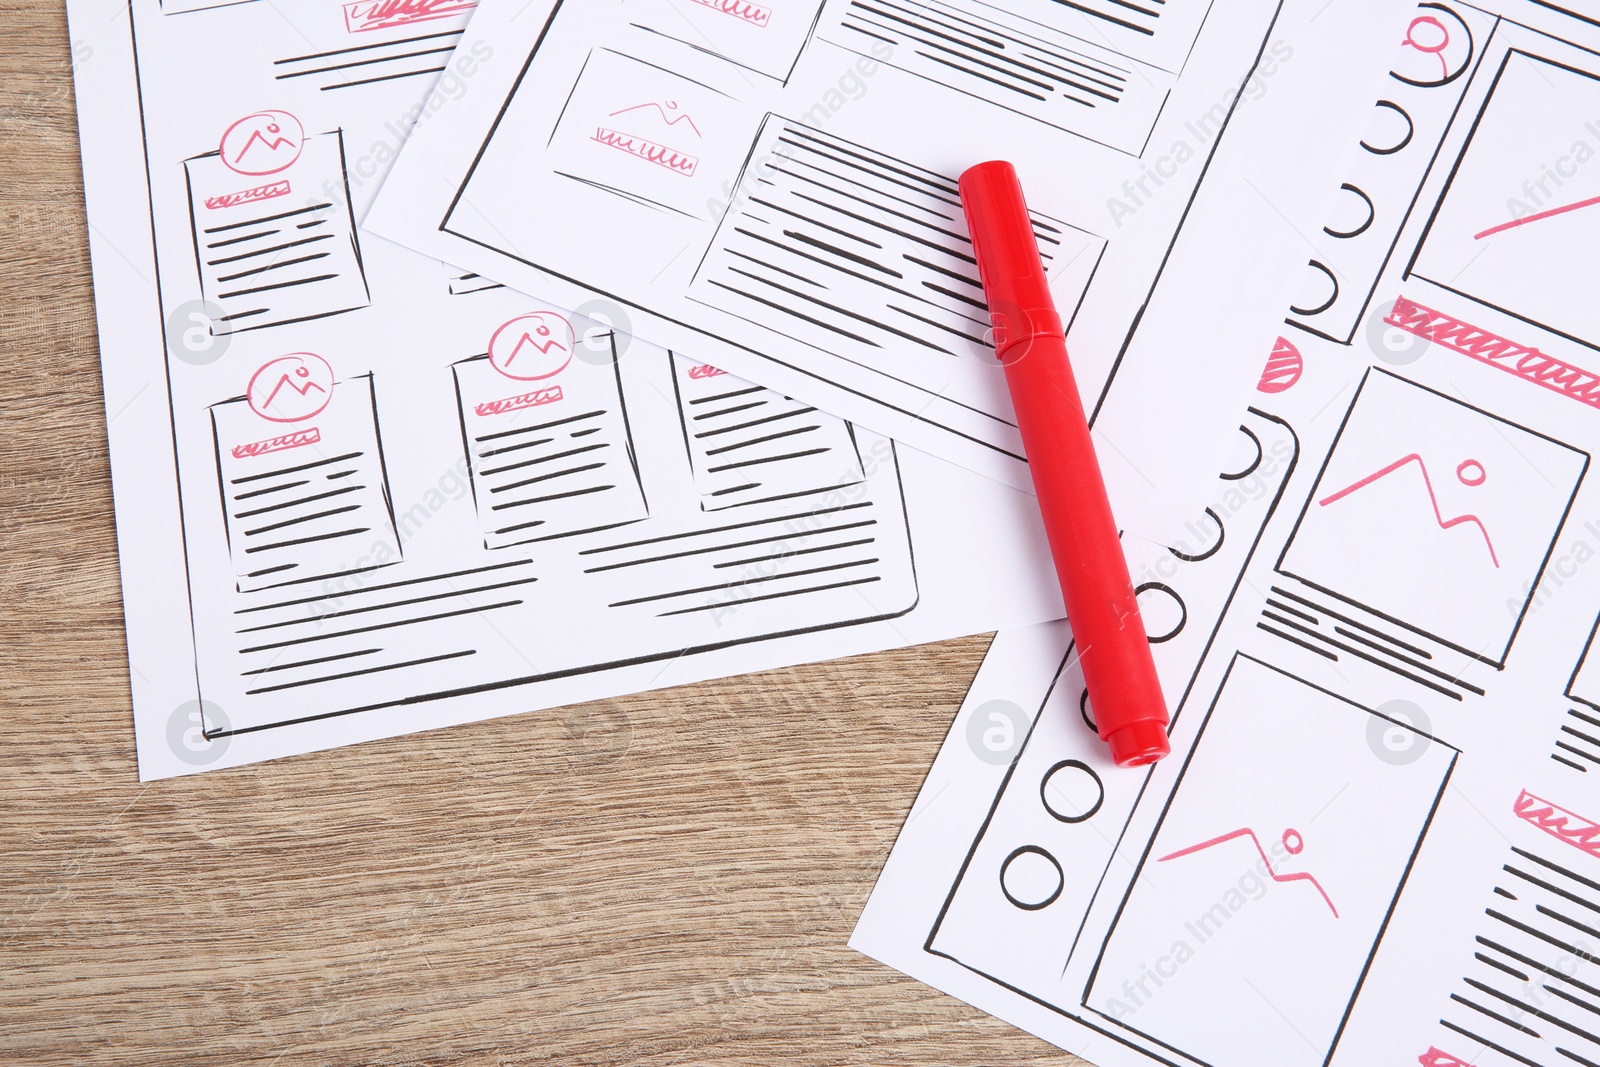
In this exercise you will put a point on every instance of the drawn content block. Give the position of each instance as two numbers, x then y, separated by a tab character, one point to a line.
1429	75
747	443
1022	66
276	246
380	63
1063	804
1159	34
1263	893
550	455
648	135
1526	250
304	499
1455	511
857	253
765	36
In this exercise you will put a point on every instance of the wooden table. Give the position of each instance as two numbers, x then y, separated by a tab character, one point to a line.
666	879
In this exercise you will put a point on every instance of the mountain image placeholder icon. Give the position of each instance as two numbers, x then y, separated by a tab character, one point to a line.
532	347
291	388
263	143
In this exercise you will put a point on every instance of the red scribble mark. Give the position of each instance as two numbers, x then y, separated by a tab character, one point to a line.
277	135
248	196
662	109
277	444
1527	363
1294	850
1558	822
309	383
649	151
381	14
1536	217
548	395
754	14
1436	1057
705	370
1436	50
1283	368
1444	523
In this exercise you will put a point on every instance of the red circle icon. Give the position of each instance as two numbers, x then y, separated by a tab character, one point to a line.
291	388
534	346
263	143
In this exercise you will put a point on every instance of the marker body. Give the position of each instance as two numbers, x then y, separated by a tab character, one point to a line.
1113	649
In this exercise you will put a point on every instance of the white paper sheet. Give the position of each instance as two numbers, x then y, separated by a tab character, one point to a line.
1378	837
771	185
360	493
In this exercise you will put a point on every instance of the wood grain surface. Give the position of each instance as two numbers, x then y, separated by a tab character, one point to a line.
665	879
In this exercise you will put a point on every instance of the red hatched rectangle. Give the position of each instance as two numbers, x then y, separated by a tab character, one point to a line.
662	156
534	399
742	10
367	15
248	196
277	444
1527	363
1558	822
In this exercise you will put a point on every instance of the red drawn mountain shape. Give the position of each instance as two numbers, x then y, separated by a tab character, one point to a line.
1298	876
528	339
663	113
271	146
284	380
1433	499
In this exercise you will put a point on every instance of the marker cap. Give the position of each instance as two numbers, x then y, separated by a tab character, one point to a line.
1138	743
1014	280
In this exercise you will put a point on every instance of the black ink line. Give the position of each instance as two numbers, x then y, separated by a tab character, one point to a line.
356	674
295	470
308	540
381	626
771	596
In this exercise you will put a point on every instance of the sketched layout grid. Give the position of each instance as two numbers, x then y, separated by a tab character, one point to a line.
1458	169
457	197
1080	1013
1497	660
162	284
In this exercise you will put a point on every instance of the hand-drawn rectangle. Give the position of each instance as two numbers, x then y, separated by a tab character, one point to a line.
306	500
747	443
1525	250
1276	864
1456	523
855	252
550	457
650	136
279	248
1022	66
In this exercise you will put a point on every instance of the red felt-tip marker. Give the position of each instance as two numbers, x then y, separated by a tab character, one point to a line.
1114	651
